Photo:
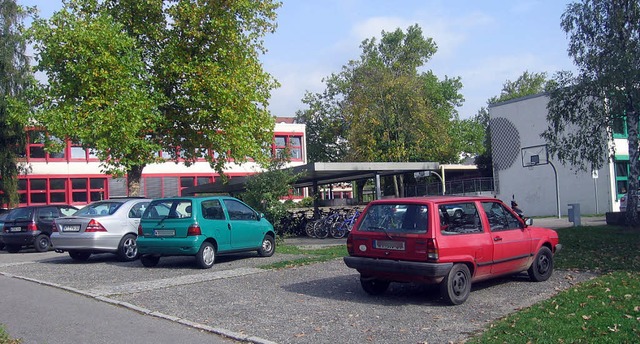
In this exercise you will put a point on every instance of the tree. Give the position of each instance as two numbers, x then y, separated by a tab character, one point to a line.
605	46
15	79
386	109
129	78
525	85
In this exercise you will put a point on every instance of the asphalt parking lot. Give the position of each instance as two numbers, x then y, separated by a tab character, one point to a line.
319	303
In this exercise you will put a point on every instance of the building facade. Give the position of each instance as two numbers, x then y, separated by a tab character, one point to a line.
547	189
73	176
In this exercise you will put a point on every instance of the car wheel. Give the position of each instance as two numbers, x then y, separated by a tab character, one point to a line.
542	266
1	246
374	286
268	246
149	260
456	286
79	256
128	249
13	248
42	243
206	256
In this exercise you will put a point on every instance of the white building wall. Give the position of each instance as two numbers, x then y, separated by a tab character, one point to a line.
519	123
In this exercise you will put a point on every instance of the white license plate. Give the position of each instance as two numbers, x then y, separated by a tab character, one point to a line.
389	245
15	229
71	228
164	232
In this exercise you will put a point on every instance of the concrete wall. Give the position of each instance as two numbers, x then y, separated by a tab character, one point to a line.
519	123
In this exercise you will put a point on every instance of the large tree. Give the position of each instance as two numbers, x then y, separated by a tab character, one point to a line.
129	78
15	78
604	42
385	108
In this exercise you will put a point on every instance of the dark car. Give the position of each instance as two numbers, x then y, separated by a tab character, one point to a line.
32	226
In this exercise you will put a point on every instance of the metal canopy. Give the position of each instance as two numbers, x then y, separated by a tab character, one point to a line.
320	173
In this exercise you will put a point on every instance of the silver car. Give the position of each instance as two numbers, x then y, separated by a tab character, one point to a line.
103	226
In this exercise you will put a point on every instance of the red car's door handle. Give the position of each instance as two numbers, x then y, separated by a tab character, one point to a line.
497	239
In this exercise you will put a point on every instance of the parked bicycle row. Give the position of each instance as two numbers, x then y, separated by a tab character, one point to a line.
334	222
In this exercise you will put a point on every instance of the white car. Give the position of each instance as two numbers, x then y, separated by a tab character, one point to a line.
104	226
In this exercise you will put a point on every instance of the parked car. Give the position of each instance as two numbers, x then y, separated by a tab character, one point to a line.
32	226
203	227
108	226
625	198
427	245
2	217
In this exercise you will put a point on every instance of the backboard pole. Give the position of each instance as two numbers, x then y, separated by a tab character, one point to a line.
555	172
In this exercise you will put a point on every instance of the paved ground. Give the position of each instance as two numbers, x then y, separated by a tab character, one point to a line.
319	303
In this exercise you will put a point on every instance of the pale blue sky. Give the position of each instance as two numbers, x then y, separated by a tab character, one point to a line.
484	42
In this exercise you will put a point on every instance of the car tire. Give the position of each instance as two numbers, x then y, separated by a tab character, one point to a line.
268	246
149	260
542	266
206	256
456	286
1	246
374	286
79	256
128	249
42	243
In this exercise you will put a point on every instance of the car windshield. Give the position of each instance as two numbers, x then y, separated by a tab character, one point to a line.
20	214
99	209
161	209
395	218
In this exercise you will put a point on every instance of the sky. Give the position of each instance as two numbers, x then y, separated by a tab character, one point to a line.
485	43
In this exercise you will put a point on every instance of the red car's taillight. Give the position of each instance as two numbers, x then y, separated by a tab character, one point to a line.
32	227
140	230
432	249
95	226
194	229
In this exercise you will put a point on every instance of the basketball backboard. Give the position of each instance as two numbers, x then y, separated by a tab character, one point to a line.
534	155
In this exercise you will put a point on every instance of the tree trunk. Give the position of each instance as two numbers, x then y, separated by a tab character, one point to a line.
133	180
360	190
396	191
634	170
401	184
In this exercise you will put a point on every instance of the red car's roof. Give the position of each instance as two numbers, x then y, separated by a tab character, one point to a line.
434	199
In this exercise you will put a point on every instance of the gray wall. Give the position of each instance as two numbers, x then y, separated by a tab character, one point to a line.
518	123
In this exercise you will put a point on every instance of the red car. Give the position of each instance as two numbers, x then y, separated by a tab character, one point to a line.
419	240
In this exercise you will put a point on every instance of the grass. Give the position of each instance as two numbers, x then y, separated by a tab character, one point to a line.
310	256
603	310
6	339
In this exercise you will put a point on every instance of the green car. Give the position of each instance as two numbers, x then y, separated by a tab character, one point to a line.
202	227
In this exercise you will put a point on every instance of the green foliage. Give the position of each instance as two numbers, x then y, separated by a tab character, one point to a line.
6	339
15	79
264	191
306	202
603	43
380	108
184	76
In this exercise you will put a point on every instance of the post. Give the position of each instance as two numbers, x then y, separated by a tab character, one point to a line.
557	188
378	191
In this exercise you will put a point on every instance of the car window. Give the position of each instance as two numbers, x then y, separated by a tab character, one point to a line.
459	218
20	214
99	208
48	213
137	210
158	209
403	218
67	211
239	211
499	217
212	210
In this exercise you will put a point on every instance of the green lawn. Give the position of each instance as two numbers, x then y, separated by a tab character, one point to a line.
603	310
6	339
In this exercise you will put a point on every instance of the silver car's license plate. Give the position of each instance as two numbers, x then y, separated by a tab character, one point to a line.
71	228
389	245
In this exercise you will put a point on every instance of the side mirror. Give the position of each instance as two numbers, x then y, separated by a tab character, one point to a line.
528	221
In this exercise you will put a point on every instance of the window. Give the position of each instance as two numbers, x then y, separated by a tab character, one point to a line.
137	210
290	144
396	218
239	211
459	218
499	217
212	210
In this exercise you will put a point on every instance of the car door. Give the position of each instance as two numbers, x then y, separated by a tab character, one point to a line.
511	241
245	227
215	224
134	215
44	218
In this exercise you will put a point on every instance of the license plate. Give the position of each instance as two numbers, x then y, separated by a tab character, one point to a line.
15	229
389	245
164	232
71	228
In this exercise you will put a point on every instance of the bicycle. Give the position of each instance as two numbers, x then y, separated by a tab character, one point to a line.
341	228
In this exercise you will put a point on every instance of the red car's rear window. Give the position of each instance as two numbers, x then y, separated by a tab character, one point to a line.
395	218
